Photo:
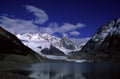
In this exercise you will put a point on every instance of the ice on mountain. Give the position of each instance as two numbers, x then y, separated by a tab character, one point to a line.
40	41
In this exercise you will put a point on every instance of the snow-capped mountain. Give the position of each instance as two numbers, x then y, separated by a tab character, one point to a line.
38	37
105	44
40	41
111	28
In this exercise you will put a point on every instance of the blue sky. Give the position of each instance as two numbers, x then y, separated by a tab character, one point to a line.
76	18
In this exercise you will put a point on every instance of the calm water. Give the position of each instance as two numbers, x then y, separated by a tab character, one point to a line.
75	71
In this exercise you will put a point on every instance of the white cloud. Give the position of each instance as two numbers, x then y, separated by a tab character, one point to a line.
50	29
15	25
47	30
22	26
18	25
74	33
53	27
69	27
41	16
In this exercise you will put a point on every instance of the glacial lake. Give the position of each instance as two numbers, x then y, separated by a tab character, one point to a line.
74	71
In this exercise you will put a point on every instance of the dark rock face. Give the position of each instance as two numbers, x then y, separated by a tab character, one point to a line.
105	44
111	43
52	51
110	48
13	54
10	44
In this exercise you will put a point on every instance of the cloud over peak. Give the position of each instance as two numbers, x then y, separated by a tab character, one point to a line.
74	33
67	27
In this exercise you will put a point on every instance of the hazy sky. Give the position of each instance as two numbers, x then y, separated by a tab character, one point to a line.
76	18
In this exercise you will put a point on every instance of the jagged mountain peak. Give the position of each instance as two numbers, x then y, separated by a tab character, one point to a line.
67	43
49	38
40	41
65	35
37	37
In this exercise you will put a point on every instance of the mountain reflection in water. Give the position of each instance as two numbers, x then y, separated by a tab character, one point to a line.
75	71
